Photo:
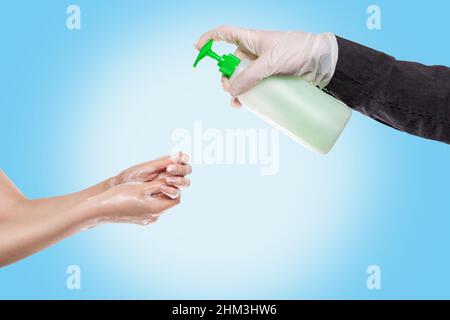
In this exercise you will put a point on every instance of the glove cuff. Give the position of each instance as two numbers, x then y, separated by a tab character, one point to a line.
328	58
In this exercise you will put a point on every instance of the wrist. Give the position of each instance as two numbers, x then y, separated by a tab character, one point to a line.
89	213
92	209
112	182
99	188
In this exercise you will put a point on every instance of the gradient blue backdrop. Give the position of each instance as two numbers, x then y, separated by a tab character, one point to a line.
79	106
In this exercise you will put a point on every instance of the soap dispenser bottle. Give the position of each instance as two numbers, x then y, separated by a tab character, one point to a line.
296	107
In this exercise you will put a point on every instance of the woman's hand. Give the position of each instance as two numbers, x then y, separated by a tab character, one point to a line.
133	202
142	193
137	195
172	169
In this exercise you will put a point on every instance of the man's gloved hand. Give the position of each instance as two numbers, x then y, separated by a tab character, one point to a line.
313	57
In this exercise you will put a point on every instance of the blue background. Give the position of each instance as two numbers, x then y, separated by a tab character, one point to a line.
79	106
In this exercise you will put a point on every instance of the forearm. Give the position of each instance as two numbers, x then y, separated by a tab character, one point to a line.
66	202
407	96
137	195
28	226
35	226
9	194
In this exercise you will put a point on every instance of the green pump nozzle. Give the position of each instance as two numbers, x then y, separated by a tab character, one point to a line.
227	63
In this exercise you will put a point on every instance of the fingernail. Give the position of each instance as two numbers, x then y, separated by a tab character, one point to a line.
235	103
172	168
172	193
185	158
175	157
171	180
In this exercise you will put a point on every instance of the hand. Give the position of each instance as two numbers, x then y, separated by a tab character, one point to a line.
137	195
172	169
310	56
140	194
134	202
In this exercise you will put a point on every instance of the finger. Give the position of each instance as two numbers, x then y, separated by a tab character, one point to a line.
164	175
241	55
161	196
179	170
243	38
162	163
158	164
145	171
149	170
235	103
178	182
249	77
225	84
180	157
169	191
165	203
152	188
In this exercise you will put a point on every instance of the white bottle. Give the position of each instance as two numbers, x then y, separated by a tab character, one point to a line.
294	106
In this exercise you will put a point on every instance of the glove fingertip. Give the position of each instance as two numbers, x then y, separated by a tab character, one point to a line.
238	87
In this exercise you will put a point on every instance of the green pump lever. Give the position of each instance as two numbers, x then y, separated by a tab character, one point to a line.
227	63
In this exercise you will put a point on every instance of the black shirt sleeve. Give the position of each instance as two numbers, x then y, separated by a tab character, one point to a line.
408	96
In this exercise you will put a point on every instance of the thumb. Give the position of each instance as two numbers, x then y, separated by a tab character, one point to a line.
250	76
153	187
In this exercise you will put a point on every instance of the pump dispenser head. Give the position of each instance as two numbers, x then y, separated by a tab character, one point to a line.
227	63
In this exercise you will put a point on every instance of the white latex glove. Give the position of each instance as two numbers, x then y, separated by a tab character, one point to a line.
313	57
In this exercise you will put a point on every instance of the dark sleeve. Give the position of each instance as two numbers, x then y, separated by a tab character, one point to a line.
407	96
